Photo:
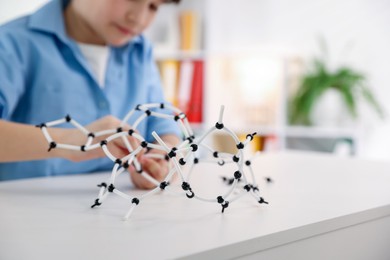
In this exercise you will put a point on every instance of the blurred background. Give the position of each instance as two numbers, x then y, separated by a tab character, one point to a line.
305	75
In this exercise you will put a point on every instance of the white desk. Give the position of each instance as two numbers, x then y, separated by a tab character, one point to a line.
320	208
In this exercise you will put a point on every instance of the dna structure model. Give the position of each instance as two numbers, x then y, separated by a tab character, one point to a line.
185	153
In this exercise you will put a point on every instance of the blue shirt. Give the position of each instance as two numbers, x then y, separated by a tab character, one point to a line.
44	76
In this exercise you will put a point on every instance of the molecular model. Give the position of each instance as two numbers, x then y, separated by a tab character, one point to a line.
186	153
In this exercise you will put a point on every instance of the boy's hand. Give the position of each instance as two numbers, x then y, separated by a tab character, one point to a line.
117	147
155	167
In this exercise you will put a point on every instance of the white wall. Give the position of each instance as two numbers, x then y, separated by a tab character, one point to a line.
13	8
357	32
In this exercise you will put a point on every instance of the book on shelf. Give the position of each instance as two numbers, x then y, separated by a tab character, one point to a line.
169	70
183	86
271	143
189	31
257	144
263	143
224	143
195	103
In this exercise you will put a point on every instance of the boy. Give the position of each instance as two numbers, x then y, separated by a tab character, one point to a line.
86	58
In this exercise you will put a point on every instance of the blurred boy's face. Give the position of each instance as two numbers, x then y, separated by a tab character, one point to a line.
114	22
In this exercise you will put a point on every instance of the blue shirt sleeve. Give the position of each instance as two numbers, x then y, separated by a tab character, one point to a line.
12	78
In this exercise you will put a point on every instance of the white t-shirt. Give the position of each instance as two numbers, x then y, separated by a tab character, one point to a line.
97	57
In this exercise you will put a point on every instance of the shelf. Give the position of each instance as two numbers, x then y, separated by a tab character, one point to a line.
297	131
259	130
179	55
320	132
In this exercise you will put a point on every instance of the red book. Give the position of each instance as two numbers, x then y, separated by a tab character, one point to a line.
195	105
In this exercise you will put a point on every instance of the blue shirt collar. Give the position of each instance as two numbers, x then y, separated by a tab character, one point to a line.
50	19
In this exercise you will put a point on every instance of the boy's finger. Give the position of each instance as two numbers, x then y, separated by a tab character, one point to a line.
153	168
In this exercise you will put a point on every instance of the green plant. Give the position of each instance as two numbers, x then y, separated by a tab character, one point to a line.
349	83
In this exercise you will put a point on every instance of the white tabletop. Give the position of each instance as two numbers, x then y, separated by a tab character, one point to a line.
51	218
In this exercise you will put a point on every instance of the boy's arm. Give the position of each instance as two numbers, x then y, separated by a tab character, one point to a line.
21	142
